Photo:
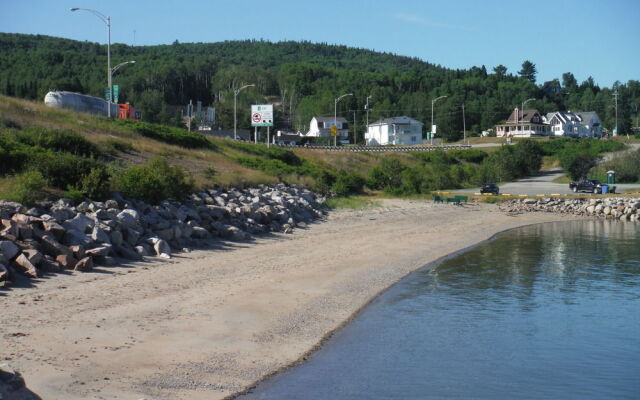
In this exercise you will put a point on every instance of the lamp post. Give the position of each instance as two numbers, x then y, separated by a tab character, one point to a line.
432	103
235	102
114	69
366	107
522	111
335	115
107	21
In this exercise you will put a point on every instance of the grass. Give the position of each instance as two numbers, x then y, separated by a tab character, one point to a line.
353	203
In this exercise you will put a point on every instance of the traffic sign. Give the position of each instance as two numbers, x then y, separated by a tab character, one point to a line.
107	94
116	93
262	115
334	130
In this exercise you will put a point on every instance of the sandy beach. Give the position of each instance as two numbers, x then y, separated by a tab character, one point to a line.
210	323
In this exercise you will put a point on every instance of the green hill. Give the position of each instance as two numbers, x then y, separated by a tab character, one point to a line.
301	78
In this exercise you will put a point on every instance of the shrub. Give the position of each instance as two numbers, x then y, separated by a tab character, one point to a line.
58	140
114	146
25	188
167	134
469	155
274	153
387	175
97	184
154	182
63	169
346	184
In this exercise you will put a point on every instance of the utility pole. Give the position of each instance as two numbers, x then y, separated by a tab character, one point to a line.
464	126
366	107
615	94
355	135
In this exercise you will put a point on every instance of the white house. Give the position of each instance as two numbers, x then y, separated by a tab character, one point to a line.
399	131
321	127
578	124
523	123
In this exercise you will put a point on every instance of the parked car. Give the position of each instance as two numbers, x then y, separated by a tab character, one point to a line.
587	185
490	188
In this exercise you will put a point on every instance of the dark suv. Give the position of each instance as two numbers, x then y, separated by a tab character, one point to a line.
490	188
587	185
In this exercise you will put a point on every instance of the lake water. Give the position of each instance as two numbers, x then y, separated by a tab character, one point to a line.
544	312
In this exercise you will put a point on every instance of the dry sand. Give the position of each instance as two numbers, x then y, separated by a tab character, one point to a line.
208	324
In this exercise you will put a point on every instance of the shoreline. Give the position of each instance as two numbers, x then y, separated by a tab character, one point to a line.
302	359
216	334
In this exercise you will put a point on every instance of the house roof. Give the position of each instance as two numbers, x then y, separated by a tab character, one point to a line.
330	119
587	115
403	120
523	116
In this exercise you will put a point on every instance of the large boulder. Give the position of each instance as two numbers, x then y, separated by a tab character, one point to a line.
8	249
23	265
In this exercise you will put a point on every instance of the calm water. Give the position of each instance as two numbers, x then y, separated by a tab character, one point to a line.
545	312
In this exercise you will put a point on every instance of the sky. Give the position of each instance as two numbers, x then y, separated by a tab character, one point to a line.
597	38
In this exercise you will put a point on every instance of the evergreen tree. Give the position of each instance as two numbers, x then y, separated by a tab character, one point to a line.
528	71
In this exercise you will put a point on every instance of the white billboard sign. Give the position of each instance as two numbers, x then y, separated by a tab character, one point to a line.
262	115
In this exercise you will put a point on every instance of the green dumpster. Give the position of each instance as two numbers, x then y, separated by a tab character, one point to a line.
611	177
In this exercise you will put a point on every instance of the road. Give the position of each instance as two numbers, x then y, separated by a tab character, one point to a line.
543	184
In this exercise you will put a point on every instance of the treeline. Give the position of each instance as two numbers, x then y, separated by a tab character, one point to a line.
303	79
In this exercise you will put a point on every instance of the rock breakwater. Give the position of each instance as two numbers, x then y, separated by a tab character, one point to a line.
58	235
618	208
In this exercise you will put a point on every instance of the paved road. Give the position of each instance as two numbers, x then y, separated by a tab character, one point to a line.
543	184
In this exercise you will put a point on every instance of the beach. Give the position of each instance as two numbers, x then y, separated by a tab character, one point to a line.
210	323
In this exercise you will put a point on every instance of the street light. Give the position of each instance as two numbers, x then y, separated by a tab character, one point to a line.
235	97
107	21
432	103
522	111
335	116
366	107
114	69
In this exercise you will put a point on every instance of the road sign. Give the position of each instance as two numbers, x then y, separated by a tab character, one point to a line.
262	115
334	130
116	93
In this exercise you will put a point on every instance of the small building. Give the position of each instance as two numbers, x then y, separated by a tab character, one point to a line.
321	127
398	131
523	123
590	125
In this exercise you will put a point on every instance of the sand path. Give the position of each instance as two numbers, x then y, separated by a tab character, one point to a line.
208	324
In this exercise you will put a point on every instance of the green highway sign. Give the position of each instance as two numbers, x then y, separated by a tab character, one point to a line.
116	93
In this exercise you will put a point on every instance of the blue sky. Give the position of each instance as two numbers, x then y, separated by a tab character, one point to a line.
595	38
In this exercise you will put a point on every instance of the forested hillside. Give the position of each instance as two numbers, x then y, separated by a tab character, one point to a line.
303	79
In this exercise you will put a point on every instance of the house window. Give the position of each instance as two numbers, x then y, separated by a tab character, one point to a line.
320	124
345	125
414	139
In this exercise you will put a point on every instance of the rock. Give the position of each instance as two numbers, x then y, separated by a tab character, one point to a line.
22	264
9	249
66	261
143	250
125	251
111	204
162	248
99	235
34	256
132	236
101	251
73	237
54	228
52	247
49	265
78	251
80	222
4	274
199	232
166	234
129	218
116	238
84	265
